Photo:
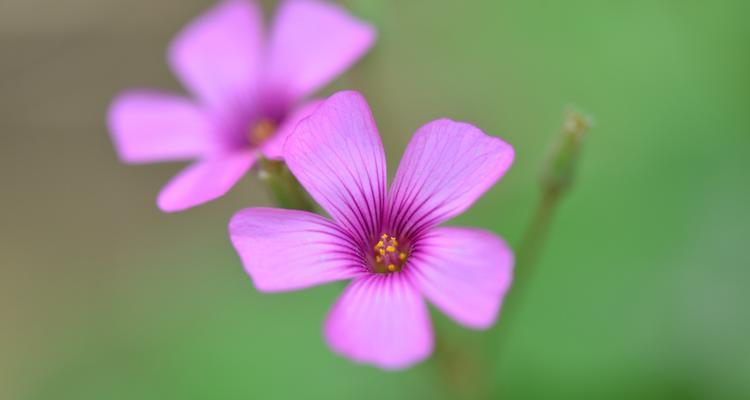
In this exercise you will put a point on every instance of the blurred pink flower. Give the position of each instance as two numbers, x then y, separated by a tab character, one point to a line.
387	241
245	89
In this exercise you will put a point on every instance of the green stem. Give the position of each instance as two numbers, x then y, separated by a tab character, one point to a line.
527	255
283	186
557	177
530	248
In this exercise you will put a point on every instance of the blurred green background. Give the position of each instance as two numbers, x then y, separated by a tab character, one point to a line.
642	291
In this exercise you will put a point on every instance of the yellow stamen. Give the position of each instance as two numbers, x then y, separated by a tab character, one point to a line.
388	255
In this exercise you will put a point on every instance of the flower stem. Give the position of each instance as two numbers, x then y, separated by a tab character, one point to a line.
557	177
283	186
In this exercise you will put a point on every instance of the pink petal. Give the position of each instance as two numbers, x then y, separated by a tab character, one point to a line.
149	126
204	181
218	55
312	42
336	154
445	168
289	249
381	320
273	148
464	272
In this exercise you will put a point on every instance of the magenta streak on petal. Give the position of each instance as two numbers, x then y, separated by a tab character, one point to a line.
380	320
288	249
337	155
412	204
464	272
445	168
273	148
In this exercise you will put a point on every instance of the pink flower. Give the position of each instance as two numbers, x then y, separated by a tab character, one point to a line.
245	89
387	241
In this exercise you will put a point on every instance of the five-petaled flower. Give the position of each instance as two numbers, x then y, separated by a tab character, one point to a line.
246	91
386	240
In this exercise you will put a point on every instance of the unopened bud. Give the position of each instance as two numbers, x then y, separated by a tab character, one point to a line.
559	170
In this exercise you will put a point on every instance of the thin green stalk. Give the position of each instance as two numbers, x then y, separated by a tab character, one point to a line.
533	241
283	186
557	178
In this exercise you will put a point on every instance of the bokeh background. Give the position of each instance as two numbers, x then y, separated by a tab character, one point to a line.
641	292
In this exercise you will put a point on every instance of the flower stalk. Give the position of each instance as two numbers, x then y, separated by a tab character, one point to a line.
283	186
557	177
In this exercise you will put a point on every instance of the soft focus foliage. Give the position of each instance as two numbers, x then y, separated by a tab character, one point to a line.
641	291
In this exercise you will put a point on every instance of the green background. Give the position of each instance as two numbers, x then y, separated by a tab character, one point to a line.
641	292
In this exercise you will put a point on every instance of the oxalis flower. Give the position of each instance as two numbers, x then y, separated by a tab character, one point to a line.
387	241
245	93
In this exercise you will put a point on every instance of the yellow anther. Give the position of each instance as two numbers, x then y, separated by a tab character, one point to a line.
402	256
379	245
391	267
378	259
394	241
382	252
384	236
390	249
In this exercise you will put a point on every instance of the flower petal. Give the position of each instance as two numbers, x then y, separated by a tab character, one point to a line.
464	272
290	249
204	181
336	154
312	42
381	320
148	126
218	55
445	168
273	148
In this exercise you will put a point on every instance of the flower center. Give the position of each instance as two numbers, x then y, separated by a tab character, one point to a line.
388	256
260	131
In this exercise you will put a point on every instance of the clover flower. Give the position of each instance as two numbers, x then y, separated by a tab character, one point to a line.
246	93
387	241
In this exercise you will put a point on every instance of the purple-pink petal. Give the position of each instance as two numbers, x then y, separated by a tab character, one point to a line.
311	42
218	56
204	180
273	148
148	126
288	249
336	154
445	168
464	272
381	320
